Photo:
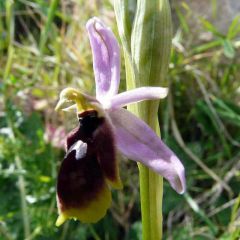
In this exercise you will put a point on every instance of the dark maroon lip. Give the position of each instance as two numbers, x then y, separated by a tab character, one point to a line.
81	179
86	113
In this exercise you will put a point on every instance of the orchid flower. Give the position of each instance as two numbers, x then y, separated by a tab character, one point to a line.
90	167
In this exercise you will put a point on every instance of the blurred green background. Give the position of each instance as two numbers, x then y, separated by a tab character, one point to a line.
44	48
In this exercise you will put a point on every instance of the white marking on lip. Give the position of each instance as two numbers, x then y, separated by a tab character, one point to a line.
81	149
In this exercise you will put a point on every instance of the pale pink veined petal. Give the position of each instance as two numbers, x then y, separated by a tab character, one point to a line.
137	141
106	58
137	95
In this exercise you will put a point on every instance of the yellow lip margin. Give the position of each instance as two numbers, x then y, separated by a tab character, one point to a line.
93	212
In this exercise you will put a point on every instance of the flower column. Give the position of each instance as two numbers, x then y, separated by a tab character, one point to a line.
147	47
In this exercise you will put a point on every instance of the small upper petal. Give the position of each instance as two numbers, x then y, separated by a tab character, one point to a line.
137	95
137	141
106	58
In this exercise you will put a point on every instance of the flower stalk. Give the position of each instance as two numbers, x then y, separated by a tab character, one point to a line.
147	55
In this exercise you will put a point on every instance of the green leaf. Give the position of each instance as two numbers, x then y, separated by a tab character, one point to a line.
210	27
183	21
234	28
228	49
135	231
207	46
227	112
123	18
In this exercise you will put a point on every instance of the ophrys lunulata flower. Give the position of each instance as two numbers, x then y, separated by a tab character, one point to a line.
89	168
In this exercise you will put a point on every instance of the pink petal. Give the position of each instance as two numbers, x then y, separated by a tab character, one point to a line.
137	95
137	141
106	58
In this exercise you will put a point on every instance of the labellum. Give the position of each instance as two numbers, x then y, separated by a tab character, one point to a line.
87	171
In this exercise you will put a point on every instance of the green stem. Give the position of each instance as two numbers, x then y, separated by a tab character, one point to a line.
151	184
155	195
7	70
22	191
151	203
